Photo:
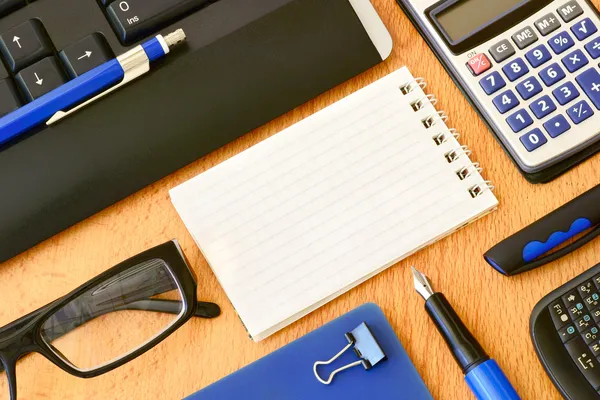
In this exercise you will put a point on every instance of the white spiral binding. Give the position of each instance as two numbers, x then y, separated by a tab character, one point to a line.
443	137
468	170
410	86
455	154
481	188
434	119
423	101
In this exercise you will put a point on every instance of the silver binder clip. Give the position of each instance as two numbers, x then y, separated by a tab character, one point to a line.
366	348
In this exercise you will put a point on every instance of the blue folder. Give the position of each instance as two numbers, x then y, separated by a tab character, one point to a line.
287	374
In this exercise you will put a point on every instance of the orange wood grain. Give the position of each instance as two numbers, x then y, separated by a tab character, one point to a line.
496	308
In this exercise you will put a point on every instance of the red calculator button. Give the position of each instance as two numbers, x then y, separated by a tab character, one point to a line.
479	64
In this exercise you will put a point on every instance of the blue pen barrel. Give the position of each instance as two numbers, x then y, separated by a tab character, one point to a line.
488	382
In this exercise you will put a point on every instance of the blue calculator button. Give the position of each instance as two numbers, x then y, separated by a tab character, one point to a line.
590	83
492	83
515	69
565	93
542	107
533	140
556	126
561	42
538	56
584	29
593	48
506	101
552	74
519	120
580	112
529	88
575	61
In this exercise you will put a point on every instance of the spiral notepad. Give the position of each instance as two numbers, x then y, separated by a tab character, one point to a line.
324	205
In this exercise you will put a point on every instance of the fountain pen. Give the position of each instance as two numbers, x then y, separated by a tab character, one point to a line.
483	375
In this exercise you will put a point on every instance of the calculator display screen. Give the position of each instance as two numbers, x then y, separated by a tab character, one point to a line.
467	16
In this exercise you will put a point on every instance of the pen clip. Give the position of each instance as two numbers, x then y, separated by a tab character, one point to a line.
135	63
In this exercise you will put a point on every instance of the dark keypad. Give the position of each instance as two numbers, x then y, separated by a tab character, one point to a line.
40	78
595	348
85	55
136	19
583	358
568	332
502	50
596	315
547	24
525	37
25	44
584	323
8	6
9	97
559	314
591	335
586	288
570	11
592	301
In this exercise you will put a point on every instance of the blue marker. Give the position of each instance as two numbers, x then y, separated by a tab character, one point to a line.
87	88
483	375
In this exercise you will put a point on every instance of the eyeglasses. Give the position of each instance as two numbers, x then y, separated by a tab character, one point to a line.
106	323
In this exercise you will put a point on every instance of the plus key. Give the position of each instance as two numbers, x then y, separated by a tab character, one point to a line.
590	83
479	64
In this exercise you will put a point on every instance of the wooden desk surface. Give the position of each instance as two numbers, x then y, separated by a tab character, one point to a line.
496	308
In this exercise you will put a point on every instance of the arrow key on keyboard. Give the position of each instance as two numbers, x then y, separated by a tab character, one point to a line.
85	55
40	78
25	44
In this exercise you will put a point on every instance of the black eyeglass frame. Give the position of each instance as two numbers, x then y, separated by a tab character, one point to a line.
23	336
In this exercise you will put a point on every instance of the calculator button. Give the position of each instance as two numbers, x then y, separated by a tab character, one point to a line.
593	48
552	74
582	357
479	64
586	288
590	335
569	332
575	61
525	37
538	56
542	107
556	126
502	50
565	93
506	101
561	42
580	112
492	83
584	323
529	88
519	120
592	301
515	69
590	83
584	29
570	11
533	141
547	24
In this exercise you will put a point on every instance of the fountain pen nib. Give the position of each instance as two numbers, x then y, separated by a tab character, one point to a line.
422	284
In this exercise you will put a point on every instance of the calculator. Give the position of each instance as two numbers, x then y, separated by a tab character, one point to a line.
529	67
565	329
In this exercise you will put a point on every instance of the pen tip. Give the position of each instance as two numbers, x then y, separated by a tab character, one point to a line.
422	284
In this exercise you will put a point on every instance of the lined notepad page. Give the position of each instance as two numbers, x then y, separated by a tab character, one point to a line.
320	207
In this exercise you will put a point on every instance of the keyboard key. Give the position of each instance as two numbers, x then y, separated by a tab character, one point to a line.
515	69
582	357
86	54
519	120
9	97
595	347
580	112
25	44
136	19
506	101
570	11
538	56
576	310
572	299
8	6
565	93
586	288
561	42
591	335
583	323
525	37
40	78
479	64
557	311
596	281
547	24
592	301
529	88
584	29
492	83
502	50
590	83
569	332
593	48
532	141
552	74
556	126
596	315
542	107
575	61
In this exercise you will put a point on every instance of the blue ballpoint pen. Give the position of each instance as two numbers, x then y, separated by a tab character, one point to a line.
483	375
87	88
